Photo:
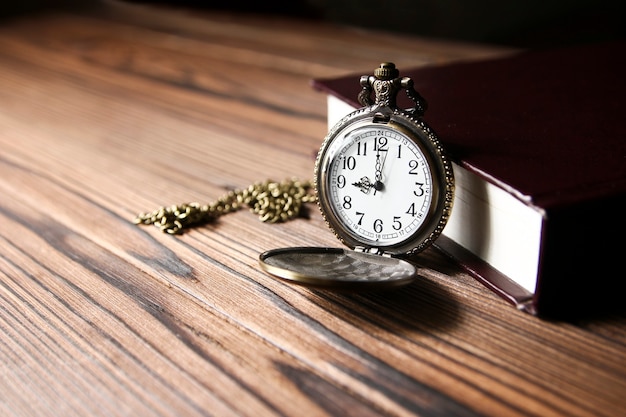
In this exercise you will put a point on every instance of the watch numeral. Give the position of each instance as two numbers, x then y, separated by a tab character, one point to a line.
420	189
397	224
411	210
349	162
378	225
358	213
413	164
380	144
358	148
341	181
347	202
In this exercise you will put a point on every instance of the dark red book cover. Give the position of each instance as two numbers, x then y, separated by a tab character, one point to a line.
547	126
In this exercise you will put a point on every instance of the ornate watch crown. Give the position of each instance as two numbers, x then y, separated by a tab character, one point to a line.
386	71
385	84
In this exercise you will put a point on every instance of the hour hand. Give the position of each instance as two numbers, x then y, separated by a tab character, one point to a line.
364	184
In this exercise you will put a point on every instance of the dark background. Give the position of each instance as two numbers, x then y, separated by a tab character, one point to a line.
522	23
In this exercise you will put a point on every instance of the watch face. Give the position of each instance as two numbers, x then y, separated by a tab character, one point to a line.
382	185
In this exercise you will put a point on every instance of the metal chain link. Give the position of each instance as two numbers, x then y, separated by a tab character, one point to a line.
272	201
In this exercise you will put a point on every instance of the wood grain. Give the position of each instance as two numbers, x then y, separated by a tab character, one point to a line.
120	109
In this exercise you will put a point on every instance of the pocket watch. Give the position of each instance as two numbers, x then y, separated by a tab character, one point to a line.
385	188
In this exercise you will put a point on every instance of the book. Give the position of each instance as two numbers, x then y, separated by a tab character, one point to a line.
538	144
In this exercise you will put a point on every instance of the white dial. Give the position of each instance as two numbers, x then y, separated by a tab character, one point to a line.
379	185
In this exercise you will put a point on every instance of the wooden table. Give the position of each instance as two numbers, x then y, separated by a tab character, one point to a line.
119	109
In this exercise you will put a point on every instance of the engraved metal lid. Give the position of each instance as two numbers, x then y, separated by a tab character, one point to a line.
336	268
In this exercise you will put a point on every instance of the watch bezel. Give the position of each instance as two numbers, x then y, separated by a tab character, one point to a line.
424	138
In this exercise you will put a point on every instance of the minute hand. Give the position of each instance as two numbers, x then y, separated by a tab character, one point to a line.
380	163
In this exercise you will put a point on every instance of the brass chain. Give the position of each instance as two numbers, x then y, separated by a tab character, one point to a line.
272	201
